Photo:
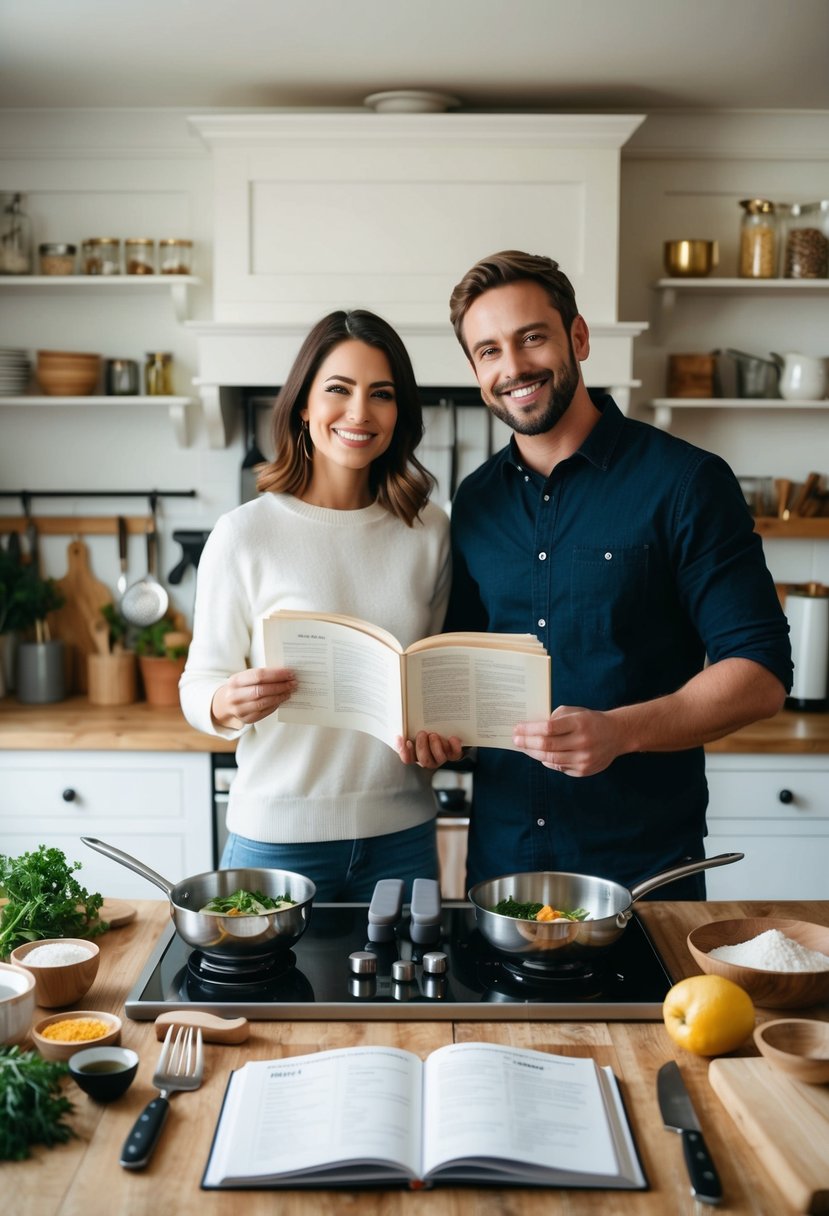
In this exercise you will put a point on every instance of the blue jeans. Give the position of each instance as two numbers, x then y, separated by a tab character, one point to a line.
344	871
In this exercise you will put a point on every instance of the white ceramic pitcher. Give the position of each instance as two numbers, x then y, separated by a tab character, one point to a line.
802	377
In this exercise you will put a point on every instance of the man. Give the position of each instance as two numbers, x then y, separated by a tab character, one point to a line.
632	556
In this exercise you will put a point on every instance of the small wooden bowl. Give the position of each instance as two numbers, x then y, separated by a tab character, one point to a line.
62	983
770	989
56	1049
798	1046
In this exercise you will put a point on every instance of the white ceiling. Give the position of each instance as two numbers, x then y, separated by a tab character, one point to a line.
638	55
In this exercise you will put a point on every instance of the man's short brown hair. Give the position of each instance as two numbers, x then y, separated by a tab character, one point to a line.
512	266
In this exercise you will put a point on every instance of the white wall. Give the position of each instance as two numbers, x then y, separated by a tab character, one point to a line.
145	173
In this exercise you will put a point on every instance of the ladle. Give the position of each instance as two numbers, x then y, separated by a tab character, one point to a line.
146	601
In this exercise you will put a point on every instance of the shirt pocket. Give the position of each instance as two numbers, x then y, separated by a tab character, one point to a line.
608	590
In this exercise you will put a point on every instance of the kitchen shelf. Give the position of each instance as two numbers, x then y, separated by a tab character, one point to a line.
179	408
768	288
664	407
178	285
794	528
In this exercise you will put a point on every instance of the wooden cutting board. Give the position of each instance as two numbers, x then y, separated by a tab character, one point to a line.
786	1122
85	595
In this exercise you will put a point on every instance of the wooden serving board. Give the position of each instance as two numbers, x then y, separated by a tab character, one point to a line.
85	595
786	1122
117	913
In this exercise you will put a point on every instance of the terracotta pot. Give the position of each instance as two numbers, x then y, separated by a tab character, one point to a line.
160	678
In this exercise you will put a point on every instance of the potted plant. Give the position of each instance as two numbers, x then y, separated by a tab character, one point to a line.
26	600
162	652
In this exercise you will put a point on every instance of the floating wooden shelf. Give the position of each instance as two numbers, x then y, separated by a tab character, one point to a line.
794	528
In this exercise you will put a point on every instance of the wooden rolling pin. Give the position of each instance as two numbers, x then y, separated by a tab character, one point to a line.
214	1029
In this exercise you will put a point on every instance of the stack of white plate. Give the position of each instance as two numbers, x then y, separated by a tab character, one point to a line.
15	371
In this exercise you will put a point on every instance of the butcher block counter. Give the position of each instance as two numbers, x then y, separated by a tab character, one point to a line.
83	1178
74	724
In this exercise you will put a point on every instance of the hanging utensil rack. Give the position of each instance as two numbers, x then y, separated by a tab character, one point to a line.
82	525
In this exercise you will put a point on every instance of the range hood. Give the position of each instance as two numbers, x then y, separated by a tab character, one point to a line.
316	211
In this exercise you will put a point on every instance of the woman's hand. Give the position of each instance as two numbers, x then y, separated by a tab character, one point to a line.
250	695
428	749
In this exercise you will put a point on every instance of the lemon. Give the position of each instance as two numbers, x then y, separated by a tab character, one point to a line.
708	1014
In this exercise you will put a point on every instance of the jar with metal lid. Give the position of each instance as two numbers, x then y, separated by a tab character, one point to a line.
175	256
158	373
139	255
101	255
783	213
57	259
15	236
807	251
758	240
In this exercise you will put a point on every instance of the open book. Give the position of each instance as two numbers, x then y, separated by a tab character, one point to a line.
471	1112
354	674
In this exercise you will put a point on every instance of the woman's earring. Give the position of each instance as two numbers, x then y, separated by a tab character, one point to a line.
303	442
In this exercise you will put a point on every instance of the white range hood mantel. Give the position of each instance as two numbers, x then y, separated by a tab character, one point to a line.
322	210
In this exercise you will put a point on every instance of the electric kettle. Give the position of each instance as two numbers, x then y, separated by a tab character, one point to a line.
807	610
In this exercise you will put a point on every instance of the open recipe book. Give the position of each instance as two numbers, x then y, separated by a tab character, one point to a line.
471	1113
354	674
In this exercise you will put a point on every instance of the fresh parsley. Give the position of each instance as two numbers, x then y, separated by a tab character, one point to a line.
44	899
32	1104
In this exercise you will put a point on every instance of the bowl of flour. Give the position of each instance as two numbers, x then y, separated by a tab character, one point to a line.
782	964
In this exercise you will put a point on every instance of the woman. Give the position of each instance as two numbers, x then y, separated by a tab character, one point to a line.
343	525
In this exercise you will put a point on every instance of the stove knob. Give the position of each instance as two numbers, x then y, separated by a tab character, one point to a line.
363	962
435	962
402	971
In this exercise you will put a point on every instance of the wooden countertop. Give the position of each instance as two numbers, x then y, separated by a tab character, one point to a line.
74	724
83	1178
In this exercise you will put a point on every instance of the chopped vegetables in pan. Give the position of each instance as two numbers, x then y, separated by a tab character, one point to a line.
535	911
247	903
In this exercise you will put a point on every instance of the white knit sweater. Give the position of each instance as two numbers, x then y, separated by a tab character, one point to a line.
307	783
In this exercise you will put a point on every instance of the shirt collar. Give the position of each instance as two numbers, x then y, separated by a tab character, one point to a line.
599	445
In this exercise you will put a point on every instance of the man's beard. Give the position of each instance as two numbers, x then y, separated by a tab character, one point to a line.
562	390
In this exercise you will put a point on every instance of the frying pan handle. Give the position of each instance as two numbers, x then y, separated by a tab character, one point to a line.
691	867
132	863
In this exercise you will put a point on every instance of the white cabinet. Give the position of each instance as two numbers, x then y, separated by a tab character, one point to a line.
775	809
153	805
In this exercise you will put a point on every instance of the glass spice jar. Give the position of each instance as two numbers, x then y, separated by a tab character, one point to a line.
15	236
139	255
758	240
101	255
807	251
57	259
158	374
175	256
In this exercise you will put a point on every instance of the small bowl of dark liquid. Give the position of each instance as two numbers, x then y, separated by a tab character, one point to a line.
104	1073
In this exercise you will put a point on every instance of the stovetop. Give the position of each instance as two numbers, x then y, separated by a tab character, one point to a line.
315	982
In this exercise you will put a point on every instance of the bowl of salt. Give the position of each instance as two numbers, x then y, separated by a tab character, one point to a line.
64	968
781	964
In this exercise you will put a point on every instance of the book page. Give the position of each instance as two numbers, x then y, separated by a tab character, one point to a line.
347	677
305	1113
476	693
482	1100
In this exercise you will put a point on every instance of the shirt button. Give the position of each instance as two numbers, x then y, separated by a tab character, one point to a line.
541	622
541	822
526	478
542	557
546	497
608	557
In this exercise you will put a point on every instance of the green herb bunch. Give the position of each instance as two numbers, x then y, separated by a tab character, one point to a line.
32	1104
44	900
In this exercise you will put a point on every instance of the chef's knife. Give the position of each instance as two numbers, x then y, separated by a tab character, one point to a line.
678	1115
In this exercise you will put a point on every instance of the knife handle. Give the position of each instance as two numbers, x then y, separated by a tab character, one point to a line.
139	1144
705	1182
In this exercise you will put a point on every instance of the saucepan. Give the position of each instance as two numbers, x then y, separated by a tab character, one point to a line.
609	904
228	937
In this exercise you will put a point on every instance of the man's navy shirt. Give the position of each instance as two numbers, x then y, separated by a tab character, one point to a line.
631	562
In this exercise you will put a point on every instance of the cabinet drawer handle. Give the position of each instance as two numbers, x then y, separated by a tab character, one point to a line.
69	795
786	796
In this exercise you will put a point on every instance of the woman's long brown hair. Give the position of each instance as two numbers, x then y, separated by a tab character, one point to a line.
397	479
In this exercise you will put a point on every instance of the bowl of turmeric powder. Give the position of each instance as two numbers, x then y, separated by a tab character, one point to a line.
58	1037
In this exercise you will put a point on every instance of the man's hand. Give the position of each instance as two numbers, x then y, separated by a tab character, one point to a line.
250	695
428	749
579	742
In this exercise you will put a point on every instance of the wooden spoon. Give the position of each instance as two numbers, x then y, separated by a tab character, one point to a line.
100	636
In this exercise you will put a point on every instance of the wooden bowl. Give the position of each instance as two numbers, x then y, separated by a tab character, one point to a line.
58	1049
771	989
798	1046
62	983
68	379
17	1003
